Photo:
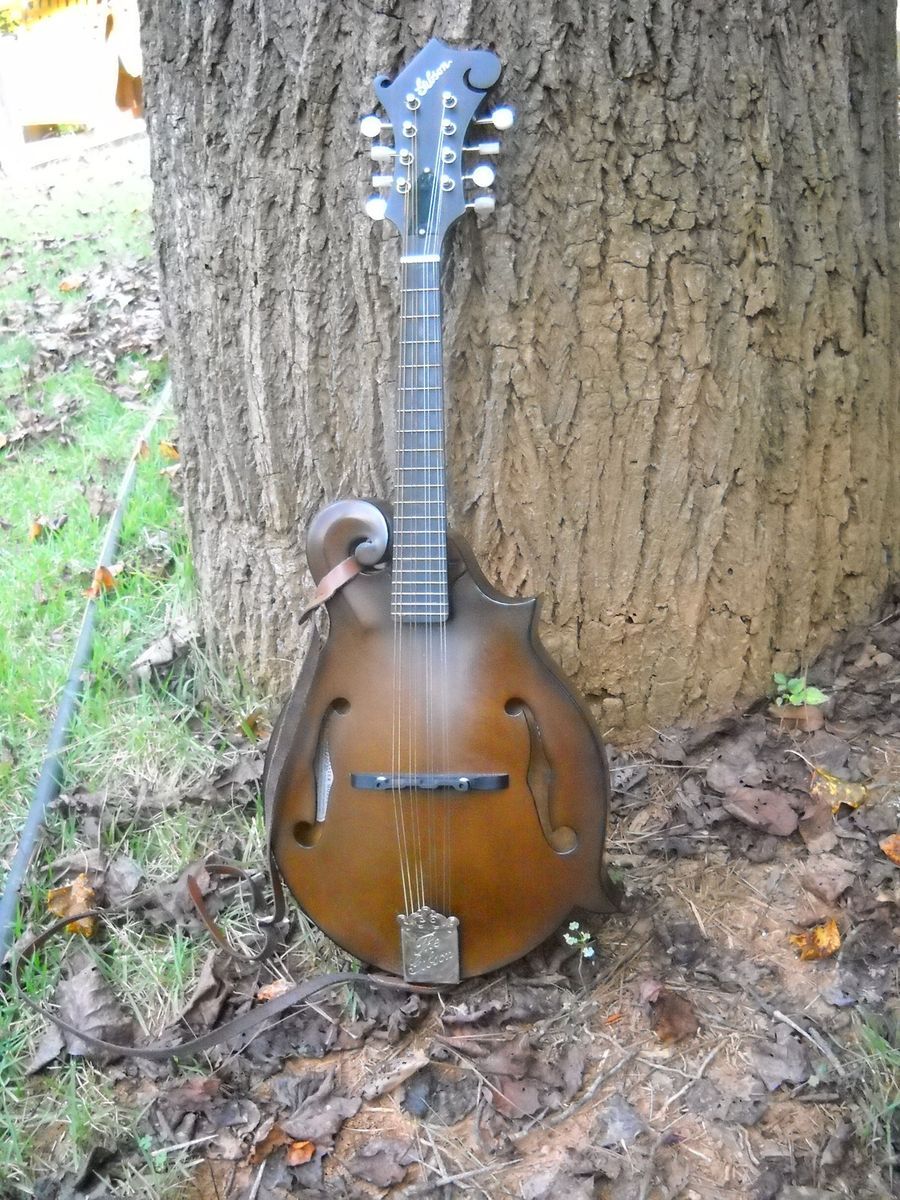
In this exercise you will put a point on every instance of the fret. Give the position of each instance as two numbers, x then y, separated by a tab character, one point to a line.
419	585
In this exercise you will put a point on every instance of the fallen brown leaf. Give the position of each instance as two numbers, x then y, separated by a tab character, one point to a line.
299	1153
822	941
72	283
891	847
825	786
71	900
274	1138
41	526
277	987
769	809
103	582
805	717
672	1018
143	450
827	877
86	1002
170	451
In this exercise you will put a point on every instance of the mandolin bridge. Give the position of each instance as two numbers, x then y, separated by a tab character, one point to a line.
429	782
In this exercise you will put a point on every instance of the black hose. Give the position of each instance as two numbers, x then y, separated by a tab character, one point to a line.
50	779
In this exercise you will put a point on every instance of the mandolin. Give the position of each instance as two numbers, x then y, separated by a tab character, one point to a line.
436	793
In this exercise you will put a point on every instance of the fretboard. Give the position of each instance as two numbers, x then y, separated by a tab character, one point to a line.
419	594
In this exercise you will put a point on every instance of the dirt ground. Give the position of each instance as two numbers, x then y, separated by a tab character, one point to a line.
695	1053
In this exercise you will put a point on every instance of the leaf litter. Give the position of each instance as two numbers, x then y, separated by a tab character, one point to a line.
659	1061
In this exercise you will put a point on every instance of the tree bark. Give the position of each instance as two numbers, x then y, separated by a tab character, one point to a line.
671	353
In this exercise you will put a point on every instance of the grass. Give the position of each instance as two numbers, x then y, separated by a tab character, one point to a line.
129	738
877	1068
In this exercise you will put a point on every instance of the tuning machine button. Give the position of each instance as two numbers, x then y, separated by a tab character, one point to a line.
382	153
375	207
488	148
501	118
483	204
371	126
382	181
483	175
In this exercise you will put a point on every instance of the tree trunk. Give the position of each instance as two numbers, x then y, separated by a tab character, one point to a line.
671	353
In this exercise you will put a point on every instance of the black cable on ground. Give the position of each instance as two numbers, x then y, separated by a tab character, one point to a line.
50	779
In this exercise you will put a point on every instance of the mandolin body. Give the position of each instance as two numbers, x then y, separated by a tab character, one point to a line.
476	696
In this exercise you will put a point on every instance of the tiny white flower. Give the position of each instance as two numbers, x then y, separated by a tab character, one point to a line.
573	925
567	937
588	952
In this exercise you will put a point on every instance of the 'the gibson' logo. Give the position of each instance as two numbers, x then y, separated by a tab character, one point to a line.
424	86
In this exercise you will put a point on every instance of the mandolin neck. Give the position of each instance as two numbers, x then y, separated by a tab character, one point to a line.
419	592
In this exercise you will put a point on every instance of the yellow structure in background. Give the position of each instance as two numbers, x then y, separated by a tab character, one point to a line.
68	62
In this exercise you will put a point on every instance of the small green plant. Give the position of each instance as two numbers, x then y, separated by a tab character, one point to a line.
796	691
581	938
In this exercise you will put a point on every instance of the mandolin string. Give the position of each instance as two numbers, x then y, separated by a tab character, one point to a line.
397	583
432	334
410	598
445	801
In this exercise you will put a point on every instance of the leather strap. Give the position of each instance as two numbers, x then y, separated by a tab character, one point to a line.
249	1022
269	926
330	583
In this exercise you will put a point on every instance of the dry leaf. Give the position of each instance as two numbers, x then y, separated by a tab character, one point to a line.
276	988
673	1018
265	1146
75	898
254	724
822	941
171	472
299	1153
103	582
72	283
836	792
891	847
86	1001
170	451
143	450
44	525
768	809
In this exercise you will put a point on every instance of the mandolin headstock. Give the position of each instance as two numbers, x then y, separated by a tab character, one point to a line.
430	150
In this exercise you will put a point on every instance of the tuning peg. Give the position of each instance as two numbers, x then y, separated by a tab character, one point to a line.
382	153
482	204
483	148
371	126
500	118
375	207
482	176
382	181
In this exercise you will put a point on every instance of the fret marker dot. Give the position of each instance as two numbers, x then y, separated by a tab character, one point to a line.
421	233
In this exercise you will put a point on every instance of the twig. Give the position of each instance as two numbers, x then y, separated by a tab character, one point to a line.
185	1145
257	1182
425	1189
587	1097
699	1075
814	1038
650	1169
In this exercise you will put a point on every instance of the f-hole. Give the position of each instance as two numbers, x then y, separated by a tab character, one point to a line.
307	833
541	779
